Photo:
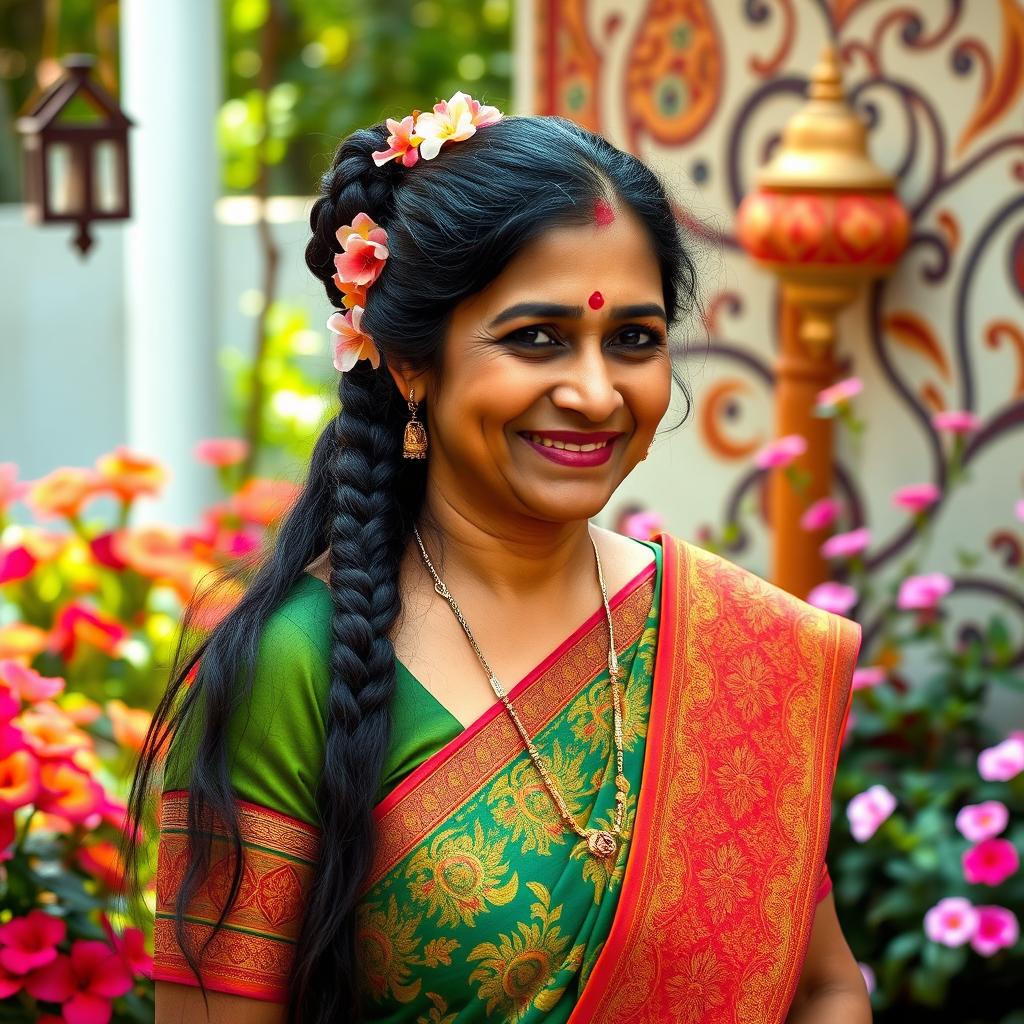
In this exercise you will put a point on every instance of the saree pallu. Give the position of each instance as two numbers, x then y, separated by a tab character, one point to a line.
483	905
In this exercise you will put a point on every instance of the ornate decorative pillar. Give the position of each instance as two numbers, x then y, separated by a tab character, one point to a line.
824	219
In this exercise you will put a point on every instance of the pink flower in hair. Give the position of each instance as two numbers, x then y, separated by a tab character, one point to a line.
364	250
402	142
997	929
351	345
452	120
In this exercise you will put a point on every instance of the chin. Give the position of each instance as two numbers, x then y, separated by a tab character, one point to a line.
568	503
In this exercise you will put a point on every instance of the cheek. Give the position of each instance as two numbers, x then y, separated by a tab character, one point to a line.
648	393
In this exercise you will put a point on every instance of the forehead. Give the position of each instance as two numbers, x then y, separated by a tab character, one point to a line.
568	263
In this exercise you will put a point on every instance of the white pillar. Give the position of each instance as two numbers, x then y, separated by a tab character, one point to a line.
171	88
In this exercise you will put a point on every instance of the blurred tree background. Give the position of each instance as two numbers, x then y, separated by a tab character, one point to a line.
299	75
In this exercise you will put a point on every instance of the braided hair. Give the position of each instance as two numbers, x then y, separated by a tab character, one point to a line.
453	224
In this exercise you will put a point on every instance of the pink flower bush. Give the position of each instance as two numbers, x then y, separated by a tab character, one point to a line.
951	922
31	941
831	398
868	810
84	982
997	929
919	593
870	675
781	452
956	422
833	597
990	862
1004	761
916	497
846	545
822	513
982	821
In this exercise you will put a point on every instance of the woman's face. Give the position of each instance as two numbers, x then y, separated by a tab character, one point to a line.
554	378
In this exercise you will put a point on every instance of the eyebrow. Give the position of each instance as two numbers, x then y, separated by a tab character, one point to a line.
538	309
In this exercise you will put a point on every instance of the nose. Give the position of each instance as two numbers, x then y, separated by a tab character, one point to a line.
588	386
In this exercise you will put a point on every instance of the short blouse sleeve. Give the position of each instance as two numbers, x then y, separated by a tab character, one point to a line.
275	745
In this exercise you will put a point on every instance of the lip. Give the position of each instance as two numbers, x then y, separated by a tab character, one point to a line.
579	460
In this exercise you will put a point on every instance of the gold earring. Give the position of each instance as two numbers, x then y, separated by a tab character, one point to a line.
414	444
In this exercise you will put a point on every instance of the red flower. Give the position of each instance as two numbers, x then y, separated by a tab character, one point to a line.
29	942
15	563
84	982
78	622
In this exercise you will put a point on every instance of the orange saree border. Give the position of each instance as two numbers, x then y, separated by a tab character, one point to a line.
450	777
252	955
752	689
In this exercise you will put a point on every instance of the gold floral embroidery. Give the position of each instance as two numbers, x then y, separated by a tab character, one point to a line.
741	780
515	972
750	684
459	875
439	1014
524	805
695	987
592	717
725	881
439	951
388	943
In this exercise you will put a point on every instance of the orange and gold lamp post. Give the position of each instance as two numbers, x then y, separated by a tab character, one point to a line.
825	219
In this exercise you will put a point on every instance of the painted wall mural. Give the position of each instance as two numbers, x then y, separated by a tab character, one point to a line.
701	91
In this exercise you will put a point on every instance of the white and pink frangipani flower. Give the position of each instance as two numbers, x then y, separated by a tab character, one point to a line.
1004	761
364	251
846	545
402	142
868	676
832	397
822	513
833	597
956	421
921	593
916	497
868	810
452	121
990	862
952	921
997	929
982	821
781	452
351	345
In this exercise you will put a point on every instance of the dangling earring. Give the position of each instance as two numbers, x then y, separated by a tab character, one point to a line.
414	444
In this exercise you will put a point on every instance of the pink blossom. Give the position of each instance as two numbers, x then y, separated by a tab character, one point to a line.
916	497
923	592
982	821
781	452
27	683
84	982
956	422
833	597
870	675
131	947
822	513
997	929
868	975
643	525
868	810
952	921
990	862
1002	762
846	545
221	451
31	941
16	563
832	397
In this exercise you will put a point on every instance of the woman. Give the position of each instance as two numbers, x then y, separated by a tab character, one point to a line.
636	830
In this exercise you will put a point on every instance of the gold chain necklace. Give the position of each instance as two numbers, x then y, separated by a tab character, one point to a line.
600	842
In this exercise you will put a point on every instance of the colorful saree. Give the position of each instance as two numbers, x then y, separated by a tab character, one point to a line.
481	904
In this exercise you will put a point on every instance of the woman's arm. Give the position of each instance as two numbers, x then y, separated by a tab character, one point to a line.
831	989
183	1004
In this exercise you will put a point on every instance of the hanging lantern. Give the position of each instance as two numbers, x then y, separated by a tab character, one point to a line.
76	153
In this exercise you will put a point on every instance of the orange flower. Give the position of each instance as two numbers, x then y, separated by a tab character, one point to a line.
20	640
263	501
63	492
68	792
78	623
153	551
128	474
103	861
129	724
51	733
19	780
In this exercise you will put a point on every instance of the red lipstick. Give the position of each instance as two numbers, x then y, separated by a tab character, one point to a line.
573	447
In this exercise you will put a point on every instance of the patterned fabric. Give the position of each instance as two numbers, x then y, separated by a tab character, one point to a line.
482	905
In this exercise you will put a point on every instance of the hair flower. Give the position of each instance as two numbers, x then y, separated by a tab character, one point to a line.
364	250
352	344
402	142
452	120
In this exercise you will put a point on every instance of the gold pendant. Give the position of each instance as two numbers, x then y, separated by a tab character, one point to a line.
414	443
601	843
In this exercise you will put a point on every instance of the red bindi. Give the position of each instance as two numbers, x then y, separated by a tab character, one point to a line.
596	301
603	213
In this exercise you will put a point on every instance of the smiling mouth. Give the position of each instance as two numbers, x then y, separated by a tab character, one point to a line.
573	447
569	446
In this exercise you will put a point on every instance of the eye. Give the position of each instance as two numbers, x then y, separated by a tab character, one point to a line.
649	337
521	338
